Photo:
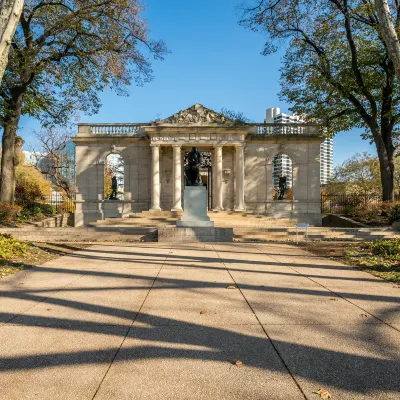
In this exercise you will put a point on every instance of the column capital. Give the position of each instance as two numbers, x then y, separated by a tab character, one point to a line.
177	146
155	145
217	146
239	145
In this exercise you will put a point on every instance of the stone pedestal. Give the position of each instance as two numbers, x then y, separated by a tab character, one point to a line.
113	209
195	235
195	208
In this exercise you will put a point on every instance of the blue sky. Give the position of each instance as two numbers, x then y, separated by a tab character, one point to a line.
213	61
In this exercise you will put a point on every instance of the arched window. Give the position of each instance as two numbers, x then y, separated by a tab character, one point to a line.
114	177
282	177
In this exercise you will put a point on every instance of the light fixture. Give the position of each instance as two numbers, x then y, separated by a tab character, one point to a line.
226	173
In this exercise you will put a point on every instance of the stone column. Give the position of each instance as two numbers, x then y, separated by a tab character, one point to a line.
239	174
177	177
155	177
218	178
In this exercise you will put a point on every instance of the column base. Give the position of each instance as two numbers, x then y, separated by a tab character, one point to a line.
177	209
218	209
239	209
155	209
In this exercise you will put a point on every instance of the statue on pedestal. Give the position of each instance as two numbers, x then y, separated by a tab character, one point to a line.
192	169
282	187
114	188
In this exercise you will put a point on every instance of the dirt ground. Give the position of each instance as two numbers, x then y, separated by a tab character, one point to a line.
356	255
37	254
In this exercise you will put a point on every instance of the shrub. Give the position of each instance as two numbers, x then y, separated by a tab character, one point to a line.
30	184
368	212
10	247
394	213
8	212
47	209
385	247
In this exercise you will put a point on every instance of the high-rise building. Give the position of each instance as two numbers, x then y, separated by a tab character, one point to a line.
283	163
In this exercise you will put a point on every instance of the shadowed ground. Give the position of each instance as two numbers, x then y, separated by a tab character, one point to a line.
152	321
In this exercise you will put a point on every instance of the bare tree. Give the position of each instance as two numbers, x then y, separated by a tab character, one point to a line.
388	30
54	158
10	11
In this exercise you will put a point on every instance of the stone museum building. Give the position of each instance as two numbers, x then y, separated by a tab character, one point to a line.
148	160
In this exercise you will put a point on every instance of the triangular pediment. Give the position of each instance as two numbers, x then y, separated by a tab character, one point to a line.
198	114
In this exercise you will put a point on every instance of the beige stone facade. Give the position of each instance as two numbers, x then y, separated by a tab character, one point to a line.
241	173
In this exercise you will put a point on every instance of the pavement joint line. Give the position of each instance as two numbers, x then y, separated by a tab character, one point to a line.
131	325
335	293
40	301
264	329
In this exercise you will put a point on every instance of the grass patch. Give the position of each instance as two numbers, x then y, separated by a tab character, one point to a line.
16	255
380	258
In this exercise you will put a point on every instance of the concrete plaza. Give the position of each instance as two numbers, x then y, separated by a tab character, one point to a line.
153	321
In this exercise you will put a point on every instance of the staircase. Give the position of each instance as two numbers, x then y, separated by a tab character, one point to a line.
247	227
222	219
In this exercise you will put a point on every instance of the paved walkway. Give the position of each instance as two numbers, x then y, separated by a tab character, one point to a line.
151	321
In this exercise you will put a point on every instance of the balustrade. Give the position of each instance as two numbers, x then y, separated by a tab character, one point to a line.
117	129
289	129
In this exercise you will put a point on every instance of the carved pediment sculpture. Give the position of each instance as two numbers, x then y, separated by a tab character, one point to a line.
198	114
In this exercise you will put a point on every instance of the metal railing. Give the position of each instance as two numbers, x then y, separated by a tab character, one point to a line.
55	203
346	204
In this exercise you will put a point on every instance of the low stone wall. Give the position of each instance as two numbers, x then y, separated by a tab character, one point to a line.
57	221
82	234
338	221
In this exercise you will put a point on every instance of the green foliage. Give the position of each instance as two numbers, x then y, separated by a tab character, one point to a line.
357	175
336	69
8	212
394	213
10	247
65	53
37	211
47	209
381	258
385	247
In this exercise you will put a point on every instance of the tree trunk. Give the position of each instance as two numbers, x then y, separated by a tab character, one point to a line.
7	175
389	34
385	156
10	12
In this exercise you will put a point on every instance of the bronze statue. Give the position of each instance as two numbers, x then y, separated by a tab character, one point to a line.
282	187
192	169
114	188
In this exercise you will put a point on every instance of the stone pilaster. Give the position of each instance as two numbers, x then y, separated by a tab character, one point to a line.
218	178
155	177
239	175
177	178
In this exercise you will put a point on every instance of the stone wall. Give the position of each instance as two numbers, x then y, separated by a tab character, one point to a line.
90	160
306	206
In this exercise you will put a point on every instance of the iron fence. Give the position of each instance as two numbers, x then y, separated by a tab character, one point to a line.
55	203
348	204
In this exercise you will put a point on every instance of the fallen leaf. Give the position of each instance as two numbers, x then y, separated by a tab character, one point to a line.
238	363
203	312
49	309
324	394
231	287
364	315
333	299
